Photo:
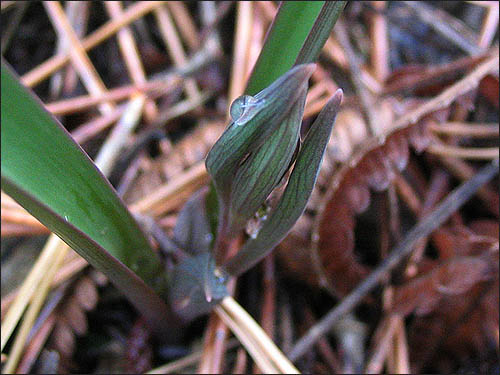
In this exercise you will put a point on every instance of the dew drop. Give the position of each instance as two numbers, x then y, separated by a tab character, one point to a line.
240	106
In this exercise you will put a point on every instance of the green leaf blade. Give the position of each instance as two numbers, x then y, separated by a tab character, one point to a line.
142	296
316	39
51	176
40	157
289	30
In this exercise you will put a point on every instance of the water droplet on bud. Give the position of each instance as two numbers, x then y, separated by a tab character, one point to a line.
240	107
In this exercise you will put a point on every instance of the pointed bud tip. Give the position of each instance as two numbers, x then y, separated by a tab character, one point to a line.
339	95
336	100
308	69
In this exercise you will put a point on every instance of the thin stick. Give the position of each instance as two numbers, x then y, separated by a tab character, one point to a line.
466	130
185	23
367	100
130	54
214	345
12	229
19	217
407	193
335	53
161	199
86	131
110	28
83	102
381	344
29	287
323	346
77	13
401	357
174	47
78	56
446	25
36	344
217	331
379	55
209	362
7	4
253	349
428	224
245	322
9	31
484	4
269	9
120	134
241	47
473	153
32	312
268	310
489	26
89	129
438	186
257	35
188	360
240	364
464	171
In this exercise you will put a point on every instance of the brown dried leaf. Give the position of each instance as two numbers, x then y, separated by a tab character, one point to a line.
422	77
460	240
63	339
75	316
455	277
72	317
488	87
373	163
462	326
86	293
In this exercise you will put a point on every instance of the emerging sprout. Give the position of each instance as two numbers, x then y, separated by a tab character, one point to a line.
255	152
246	164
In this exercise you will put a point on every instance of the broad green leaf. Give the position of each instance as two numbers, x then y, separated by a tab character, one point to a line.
290	28
296	194
52	177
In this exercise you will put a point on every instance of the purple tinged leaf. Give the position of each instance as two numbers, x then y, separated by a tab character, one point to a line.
259	117
296	195
256	119
192	230
196	287
262	171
